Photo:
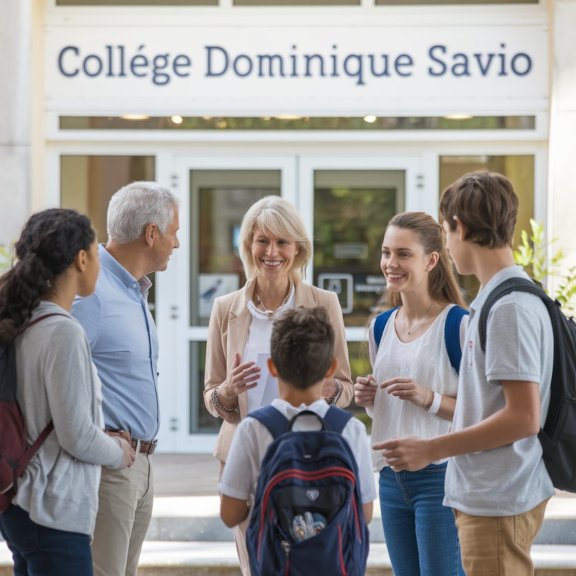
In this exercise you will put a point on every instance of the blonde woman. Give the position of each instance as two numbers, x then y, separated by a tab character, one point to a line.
275	250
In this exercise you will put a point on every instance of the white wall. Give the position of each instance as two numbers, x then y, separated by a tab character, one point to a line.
562	161
15	141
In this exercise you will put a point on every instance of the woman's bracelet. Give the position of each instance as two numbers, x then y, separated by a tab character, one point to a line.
334	398
435	406
215	400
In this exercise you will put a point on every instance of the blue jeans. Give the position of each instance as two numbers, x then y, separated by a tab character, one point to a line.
41	551
420	532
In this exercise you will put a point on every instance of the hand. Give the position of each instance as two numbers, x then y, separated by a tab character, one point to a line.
407	389
128	453
365	390
405	453
243	377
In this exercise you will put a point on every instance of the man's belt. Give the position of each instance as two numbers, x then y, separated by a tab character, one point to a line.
145	447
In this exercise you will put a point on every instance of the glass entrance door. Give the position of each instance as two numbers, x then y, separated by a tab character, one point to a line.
345	203
214	193
348	204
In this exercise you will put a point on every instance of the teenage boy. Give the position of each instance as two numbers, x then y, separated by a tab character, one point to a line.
302	355
496	481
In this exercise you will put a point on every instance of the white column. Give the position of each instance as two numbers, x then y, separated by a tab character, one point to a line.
15	110
562	161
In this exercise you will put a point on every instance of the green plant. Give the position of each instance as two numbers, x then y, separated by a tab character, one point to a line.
5	260
543	263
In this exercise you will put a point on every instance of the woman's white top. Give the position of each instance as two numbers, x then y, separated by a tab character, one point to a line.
258	350
424	360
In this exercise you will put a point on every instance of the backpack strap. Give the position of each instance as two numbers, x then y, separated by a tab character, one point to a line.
451	332
337	419
277	424
511	285
380	324
31	450
452	335
274	421
39	319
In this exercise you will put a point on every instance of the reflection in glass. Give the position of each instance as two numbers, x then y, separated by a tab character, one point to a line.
351	209
218	201
201	421
520	171
88	182
302	123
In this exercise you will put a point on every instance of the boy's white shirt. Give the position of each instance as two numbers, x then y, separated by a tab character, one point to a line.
251	440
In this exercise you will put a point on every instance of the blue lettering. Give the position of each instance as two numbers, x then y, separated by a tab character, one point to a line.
182	61
138	61
354	71
484	68
98	65
403	60
432	54
209	70
159	64
460	66
269	60
75	51
237	63
527	64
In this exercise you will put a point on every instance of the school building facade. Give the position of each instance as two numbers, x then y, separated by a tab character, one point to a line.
351	109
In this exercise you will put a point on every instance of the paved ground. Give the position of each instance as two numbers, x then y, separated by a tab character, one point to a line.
186	491
185	475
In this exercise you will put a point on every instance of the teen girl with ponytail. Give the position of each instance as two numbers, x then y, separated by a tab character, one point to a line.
50	521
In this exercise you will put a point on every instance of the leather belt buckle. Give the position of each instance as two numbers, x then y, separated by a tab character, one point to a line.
145	447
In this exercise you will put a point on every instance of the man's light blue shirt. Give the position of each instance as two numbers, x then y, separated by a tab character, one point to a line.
124	344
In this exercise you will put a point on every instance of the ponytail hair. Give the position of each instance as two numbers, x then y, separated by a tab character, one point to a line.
50	241
442	284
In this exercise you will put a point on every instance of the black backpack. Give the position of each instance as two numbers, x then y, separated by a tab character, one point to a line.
15	454
558	437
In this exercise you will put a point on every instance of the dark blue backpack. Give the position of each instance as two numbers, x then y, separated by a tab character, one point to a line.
451	332
307	516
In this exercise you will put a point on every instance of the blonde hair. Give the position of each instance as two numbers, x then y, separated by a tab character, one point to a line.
275	216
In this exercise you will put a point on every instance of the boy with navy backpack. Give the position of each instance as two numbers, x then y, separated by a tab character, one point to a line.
302	466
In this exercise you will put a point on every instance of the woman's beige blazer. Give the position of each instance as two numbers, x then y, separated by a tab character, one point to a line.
227	333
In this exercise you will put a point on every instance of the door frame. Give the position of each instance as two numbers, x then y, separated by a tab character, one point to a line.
416	195
297	186
176	363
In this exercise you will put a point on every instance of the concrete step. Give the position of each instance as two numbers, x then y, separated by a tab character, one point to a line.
219	559
197	519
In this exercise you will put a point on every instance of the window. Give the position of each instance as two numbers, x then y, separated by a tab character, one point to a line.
304	123
88	182
518	169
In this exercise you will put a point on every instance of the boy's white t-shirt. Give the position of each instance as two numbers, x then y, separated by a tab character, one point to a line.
251	440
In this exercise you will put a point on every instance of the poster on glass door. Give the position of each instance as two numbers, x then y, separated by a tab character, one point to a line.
211	286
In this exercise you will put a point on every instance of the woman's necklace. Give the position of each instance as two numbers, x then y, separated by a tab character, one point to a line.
271	313
418	323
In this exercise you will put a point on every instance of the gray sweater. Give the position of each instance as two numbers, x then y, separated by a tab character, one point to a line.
57	380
